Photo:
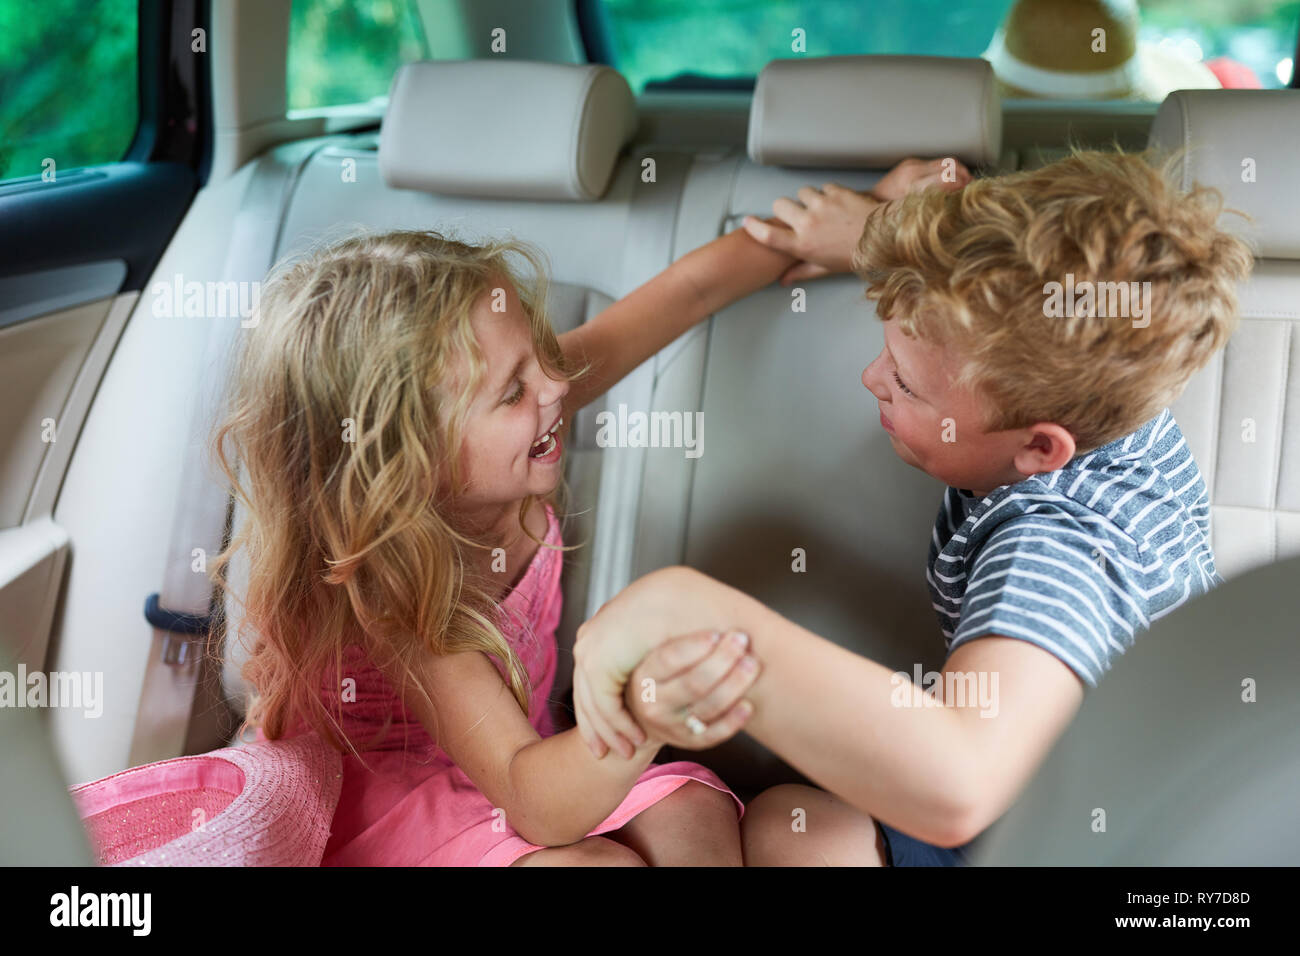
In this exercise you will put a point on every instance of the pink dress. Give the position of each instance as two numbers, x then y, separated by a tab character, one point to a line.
413	806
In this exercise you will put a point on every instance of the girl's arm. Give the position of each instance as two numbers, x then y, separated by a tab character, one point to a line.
822	227
552	791
647	319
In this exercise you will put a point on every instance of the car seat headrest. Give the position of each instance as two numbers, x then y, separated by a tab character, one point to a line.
872	111
507	129
1243	143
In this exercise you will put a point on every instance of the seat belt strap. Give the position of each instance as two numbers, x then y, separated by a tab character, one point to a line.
180	612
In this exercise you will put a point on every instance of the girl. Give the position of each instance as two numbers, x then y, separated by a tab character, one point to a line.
398	419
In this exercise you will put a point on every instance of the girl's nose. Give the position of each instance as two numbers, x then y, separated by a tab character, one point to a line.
551	392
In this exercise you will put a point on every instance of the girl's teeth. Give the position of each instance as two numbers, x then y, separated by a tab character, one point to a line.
549	434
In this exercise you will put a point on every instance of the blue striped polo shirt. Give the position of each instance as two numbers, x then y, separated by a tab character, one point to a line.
1079	560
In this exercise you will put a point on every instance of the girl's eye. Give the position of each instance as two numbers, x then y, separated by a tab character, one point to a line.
906	390
517	395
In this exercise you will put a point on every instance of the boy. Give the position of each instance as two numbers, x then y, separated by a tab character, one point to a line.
1037	326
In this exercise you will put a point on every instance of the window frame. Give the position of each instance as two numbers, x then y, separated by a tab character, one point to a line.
343	117
126	209
164	112
594	33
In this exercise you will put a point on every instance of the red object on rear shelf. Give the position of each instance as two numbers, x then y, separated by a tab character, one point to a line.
1233	75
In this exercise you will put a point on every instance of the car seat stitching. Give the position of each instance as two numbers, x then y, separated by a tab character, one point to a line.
728	210
1281	422
580	128
694	471
984	134
1217	406
672	176
755	119
679	182
286	196
1186	124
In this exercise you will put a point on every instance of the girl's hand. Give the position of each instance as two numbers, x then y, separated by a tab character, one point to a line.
911	175
703	675
823	227
821	230
645	614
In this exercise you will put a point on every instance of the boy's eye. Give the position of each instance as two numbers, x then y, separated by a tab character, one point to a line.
906	390
517	395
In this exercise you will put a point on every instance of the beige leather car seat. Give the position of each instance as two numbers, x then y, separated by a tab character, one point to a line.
1241	414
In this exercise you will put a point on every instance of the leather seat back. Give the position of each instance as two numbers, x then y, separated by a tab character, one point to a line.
1241	414
798	497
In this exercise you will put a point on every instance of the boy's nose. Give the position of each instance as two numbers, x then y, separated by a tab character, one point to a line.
873	382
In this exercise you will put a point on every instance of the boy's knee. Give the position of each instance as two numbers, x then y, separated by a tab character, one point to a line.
788	802
786	799
787	790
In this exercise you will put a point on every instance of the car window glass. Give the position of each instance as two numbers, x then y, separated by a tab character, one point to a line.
701	42
343	52
68	85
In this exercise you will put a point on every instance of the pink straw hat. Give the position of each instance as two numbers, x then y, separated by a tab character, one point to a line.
269	803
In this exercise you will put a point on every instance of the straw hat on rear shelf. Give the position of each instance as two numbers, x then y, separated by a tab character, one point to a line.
1051	49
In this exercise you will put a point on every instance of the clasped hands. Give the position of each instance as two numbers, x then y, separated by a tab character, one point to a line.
635	682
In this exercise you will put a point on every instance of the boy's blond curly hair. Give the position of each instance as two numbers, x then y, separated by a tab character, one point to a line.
972	270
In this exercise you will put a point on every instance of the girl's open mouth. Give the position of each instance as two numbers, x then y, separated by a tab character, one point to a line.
549	443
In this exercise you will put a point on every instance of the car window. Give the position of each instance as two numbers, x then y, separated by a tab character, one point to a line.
703	42
343	52
68	85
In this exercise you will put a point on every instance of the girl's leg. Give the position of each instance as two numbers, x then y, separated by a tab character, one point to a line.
593	851
794	825
695	825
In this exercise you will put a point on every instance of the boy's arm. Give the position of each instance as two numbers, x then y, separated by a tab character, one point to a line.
641	323
552	790
940	773
1036	698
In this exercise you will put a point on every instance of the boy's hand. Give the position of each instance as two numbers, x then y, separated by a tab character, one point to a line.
703	675
822	229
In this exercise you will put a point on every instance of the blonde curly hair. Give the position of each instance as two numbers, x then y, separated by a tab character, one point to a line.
971	269
357	542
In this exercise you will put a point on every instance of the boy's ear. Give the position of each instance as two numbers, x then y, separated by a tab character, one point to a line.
1049	447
